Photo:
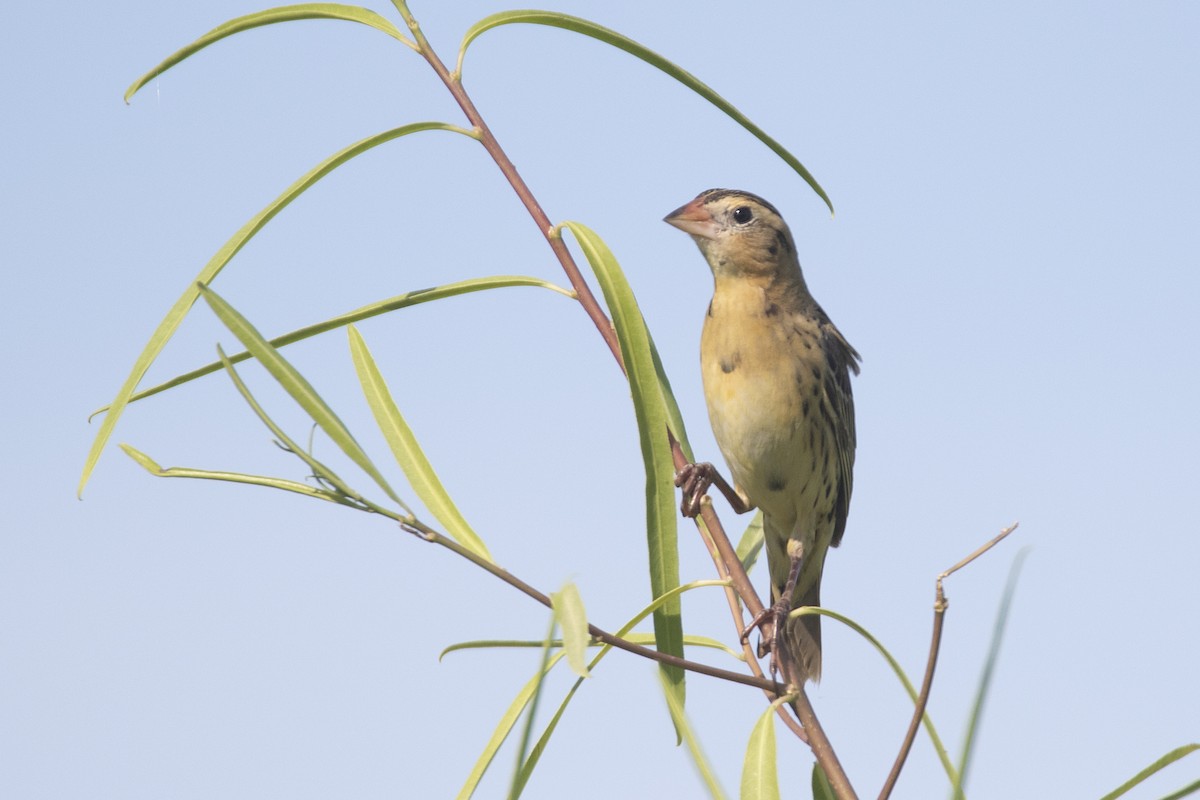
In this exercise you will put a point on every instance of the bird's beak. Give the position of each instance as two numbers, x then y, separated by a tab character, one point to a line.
693	219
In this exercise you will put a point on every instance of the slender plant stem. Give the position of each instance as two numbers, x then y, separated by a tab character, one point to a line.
940	604
454	85
935	644
428	534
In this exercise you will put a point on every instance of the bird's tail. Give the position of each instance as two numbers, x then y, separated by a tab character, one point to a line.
804	635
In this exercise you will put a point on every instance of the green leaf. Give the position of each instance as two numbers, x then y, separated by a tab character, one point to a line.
651	412
269	17
300	389
760	779
674	415
407	450
507	722
153	468
572	619
821	790
940	748
366	312
695	750
1178	794
611	37
985	679
751	543
166	329
1165	761
520	775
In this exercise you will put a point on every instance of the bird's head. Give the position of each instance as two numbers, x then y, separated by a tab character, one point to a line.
739	233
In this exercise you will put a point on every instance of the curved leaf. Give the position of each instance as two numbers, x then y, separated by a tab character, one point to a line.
365	312
652	417
407	450
688	733
507	722
153	468
572	619
940	748
611	37
269	17
298	387
760	778
166	329
1165	761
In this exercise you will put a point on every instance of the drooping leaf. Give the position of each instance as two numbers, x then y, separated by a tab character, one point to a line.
611	37
270	16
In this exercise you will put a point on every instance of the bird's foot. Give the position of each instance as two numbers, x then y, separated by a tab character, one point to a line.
694	479
774	615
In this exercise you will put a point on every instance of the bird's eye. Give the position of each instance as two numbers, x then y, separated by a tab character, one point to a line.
742	215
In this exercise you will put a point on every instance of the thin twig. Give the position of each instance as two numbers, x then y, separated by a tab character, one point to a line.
454	85
426	533
940	604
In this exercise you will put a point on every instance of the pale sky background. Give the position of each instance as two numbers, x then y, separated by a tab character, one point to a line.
1014	254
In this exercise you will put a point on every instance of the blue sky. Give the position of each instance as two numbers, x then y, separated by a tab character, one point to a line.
1014	254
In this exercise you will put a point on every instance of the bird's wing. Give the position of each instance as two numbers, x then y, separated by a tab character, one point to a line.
841	358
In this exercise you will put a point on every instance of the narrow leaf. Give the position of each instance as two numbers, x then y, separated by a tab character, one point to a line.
611	37
651	413
695	750
407	450
366	312
821	789
269	17
646	639
153	468
572	619
985	679
300	389
674	415
751	543
519	774
940	748
166	329
760	779
1165	761
507	722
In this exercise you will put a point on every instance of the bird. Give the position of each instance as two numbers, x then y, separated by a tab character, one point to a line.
776	375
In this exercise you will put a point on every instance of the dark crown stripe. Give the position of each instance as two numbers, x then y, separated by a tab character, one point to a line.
717	194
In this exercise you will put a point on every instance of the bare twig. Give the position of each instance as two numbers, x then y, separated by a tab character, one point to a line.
428	534
940	604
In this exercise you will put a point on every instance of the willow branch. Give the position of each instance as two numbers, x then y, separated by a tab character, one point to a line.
426	533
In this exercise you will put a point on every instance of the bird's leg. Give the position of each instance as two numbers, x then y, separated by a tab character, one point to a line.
695	479
777	613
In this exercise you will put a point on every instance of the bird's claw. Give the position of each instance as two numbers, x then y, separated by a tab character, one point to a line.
694	479
775	615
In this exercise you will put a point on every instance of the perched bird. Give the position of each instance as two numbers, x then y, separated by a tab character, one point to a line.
777	382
